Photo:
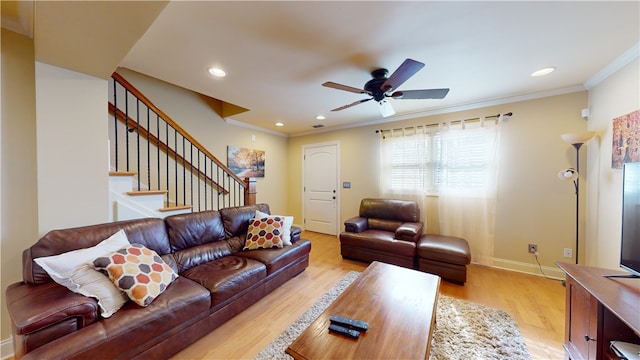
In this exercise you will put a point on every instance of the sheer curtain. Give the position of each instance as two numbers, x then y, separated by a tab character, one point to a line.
458	164
468	185
404	159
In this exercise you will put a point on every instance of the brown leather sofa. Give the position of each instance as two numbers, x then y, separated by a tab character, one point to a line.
391	231
217	280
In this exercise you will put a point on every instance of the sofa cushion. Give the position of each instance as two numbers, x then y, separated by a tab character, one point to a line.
137	271
236	219
149	232
197	255
192	229
383	224
379	240
275	259
227	276
400	210
264	233
74	270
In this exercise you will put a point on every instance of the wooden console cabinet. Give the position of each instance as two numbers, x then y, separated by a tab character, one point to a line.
599	310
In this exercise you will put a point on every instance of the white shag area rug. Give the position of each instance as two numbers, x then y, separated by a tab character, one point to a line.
464	330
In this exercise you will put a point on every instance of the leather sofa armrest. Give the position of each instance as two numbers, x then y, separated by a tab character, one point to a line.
36	307
409	231
295	234
356	224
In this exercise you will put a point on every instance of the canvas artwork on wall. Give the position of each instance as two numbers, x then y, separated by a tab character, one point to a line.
245	162
626	139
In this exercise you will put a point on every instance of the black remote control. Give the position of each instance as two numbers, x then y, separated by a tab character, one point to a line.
344	331
349	323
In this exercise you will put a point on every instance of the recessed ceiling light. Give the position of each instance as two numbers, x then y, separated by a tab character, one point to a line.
217	72
320	117
279	124
542	72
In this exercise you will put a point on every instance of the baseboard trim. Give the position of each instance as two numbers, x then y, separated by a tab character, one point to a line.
528	268
6	348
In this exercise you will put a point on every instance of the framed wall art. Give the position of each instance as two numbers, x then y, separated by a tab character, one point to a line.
626	139
245	163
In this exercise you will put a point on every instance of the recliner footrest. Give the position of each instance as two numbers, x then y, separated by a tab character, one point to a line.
446	256
442	248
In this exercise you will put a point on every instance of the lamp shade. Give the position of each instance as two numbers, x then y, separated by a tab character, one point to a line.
569	174
577	138
385	108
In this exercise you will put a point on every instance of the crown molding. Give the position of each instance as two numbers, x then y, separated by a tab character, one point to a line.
617	64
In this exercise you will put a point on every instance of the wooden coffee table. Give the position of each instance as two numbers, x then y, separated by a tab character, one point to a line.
400	306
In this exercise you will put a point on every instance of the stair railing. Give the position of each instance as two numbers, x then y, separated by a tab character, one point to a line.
146	141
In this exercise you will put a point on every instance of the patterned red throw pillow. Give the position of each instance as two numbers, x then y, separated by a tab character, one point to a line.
139	272
265	233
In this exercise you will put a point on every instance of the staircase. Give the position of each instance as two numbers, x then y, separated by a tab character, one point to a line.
157	168
128	203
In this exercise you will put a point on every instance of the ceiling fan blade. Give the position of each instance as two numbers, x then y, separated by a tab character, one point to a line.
421	94
331	84
352	104
406	70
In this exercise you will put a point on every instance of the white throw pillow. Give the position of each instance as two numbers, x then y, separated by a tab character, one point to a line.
74	270
286	229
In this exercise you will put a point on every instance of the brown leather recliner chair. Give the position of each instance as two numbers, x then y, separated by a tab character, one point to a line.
390	231
386	230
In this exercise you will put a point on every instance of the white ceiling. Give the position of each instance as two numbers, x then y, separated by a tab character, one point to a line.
277	54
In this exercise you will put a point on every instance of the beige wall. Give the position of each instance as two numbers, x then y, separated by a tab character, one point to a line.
72	148
19	212
618	95
533	205
194	115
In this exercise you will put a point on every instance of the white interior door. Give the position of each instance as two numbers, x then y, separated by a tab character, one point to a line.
320	187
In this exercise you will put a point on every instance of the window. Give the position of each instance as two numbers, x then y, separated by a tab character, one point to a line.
431	158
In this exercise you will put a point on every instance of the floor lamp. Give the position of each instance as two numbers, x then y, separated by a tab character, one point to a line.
571	174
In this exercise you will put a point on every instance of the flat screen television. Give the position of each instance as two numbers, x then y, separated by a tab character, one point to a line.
630	245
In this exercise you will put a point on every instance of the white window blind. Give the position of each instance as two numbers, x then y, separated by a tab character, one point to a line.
430	158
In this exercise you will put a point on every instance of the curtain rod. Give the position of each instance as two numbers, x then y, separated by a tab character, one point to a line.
450	122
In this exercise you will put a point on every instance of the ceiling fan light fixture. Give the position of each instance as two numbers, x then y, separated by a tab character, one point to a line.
385	108
279	124
543	71
320	117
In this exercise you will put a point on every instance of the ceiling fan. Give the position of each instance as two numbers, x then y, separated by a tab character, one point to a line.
382	87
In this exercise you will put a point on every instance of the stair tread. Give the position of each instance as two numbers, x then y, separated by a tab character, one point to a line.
122	173
147	192
175	207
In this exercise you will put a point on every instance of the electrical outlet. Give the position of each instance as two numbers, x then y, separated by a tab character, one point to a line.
568	253
533	248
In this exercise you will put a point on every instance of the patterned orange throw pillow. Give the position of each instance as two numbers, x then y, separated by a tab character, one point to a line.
265	233
139	272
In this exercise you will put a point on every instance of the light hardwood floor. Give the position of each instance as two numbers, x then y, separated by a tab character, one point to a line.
536	303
